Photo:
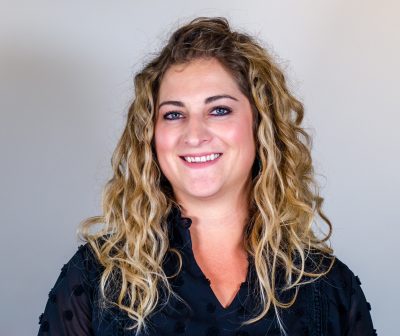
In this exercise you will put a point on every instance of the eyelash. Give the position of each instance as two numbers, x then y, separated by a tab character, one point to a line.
227	111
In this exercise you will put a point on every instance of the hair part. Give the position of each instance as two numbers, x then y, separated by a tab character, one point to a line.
284	201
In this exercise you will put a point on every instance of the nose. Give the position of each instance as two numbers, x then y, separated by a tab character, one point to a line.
196	132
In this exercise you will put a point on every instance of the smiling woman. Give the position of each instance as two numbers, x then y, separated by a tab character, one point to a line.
207	220
212	117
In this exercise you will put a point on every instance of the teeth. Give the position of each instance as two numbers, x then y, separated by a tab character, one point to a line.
201	158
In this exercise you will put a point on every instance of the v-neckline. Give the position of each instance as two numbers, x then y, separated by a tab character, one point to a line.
184	228
243	285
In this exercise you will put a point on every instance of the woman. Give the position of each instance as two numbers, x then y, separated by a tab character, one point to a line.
208	216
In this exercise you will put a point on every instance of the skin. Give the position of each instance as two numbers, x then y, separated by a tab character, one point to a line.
188	123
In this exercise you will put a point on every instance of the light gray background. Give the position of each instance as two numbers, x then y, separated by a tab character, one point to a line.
66	81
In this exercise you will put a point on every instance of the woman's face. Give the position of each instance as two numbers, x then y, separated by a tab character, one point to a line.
203	132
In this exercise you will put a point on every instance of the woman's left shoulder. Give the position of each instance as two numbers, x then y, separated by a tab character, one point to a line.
339	276
340	279
342	291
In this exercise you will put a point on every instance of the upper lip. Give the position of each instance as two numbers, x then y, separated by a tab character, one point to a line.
199	154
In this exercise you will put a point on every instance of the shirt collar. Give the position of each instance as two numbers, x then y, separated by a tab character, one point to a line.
178	229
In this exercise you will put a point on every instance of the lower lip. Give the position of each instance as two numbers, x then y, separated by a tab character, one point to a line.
200	164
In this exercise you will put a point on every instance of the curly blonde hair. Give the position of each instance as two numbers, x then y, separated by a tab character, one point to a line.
284	200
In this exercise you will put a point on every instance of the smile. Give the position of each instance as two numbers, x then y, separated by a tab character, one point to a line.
200	159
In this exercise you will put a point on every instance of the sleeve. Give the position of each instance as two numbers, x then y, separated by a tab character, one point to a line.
358	316
68	309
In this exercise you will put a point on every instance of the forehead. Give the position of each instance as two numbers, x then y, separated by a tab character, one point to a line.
206	76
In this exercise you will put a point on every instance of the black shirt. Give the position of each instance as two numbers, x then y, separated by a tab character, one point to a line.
332	305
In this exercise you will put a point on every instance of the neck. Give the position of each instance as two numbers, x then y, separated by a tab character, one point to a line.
219	222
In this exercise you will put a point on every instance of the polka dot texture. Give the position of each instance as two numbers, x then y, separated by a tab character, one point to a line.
333	305
68	309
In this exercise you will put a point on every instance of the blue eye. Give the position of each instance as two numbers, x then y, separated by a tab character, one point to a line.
172	115
221	111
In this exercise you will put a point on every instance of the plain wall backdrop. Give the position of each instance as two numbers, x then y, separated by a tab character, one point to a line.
66	81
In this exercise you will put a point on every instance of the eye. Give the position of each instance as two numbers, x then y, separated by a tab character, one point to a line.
172	115
221	111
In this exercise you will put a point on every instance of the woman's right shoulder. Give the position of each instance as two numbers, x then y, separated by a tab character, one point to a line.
69	303
85	264
82	270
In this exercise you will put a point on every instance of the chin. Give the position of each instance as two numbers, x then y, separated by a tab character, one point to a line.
201	191
205	195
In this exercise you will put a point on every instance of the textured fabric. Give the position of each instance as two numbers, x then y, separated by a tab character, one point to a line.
333	305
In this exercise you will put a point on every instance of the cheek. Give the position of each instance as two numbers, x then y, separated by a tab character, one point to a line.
164	142
240	135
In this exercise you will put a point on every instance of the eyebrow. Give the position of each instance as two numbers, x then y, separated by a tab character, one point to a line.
206	101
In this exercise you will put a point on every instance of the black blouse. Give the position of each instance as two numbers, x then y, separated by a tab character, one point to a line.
333	305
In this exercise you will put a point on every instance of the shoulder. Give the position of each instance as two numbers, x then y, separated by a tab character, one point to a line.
335	272
340	279
338	284
69	304
82	269
339	275
345	300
